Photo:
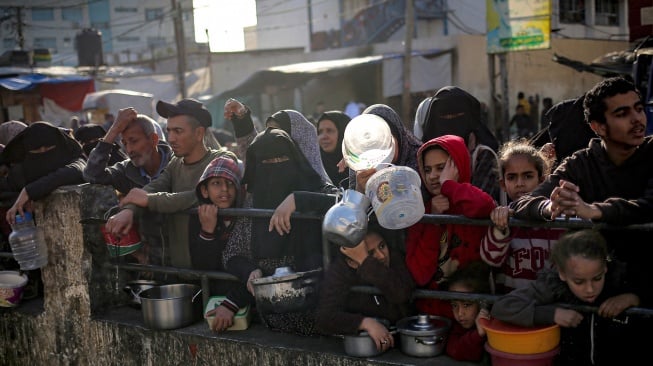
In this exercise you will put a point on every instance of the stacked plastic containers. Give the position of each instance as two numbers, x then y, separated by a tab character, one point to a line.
28	243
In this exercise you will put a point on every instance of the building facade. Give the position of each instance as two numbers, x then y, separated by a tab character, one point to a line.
130	30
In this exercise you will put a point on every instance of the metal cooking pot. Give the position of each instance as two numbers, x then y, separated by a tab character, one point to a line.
134	289
360	345
423	335
345	223
287	291
171	306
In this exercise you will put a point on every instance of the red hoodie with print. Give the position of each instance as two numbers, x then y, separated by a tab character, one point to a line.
434	251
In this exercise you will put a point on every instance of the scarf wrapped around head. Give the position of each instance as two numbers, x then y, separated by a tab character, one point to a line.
453	111
22	149
275	168
9	130
330	160
304	134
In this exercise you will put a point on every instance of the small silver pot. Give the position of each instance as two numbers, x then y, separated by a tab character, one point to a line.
171	306
286	291
360	345
423	335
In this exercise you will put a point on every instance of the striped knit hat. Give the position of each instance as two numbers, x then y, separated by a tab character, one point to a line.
223	167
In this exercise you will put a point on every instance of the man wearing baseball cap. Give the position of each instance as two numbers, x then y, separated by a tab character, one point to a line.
173	192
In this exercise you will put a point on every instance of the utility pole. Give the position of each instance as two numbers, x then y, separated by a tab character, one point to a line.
19	27
181	47
209	60
408	49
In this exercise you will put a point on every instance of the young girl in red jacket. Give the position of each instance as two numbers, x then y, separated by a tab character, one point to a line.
434	251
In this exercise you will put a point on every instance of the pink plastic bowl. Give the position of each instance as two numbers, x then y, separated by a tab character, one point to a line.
12	284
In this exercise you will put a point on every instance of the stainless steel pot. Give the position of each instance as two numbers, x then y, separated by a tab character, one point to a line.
423	335
345	223
171	306
134	289
360	345
287	291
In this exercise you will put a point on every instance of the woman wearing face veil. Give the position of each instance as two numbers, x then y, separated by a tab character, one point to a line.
43	158
275	168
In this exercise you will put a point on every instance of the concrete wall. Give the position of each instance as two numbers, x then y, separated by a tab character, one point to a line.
81	319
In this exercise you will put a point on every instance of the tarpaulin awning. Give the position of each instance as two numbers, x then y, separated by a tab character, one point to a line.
29	81
294	75
67	91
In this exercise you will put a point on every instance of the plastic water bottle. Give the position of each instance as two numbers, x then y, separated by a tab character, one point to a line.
28	243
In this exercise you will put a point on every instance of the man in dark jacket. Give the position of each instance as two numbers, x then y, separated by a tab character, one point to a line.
611	181
147	158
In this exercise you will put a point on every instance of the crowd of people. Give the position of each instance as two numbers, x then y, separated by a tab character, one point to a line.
295	164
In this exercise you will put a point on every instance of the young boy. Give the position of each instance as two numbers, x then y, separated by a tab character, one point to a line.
611	181
219	187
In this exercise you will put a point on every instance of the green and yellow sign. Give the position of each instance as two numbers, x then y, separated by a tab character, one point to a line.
517	25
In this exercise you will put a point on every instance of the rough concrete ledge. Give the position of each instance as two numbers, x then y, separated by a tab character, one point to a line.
82	319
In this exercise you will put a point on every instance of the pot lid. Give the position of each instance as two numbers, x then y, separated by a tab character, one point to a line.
423	325
284	274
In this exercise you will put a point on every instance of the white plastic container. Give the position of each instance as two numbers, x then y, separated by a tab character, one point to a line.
396	197
28	243
367	142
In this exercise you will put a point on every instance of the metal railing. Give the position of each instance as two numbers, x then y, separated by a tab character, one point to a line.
205	276
568	223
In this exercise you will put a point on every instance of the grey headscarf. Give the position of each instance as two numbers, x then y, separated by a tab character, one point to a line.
9	130
305	135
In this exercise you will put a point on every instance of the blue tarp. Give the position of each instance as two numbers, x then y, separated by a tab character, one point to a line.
29	81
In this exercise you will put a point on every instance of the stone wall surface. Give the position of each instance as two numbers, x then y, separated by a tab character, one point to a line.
82	318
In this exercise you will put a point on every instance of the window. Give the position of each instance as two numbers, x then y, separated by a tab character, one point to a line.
128	39
607	12
153	42
572	11
42	14
8	43
153	13
124	9
46	42
72	13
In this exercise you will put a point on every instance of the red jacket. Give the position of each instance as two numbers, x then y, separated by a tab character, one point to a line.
434	251
465	344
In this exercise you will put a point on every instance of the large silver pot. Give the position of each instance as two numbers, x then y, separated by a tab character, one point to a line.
287	291
171	306
423	335
345	223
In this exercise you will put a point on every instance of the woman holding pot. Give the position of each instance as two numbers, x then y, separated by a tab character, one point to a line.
371	263
276	168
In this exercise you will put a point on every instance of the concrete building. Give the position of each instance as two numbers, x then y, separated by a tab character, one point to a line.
130	30
293	37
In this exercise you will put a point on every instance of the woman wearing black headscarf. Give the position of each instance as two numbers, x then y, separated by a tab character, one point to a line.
275	168
331	131
46	157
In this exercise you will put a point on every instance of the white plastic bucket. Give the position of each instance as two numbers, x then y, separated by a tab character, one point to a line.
396	196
